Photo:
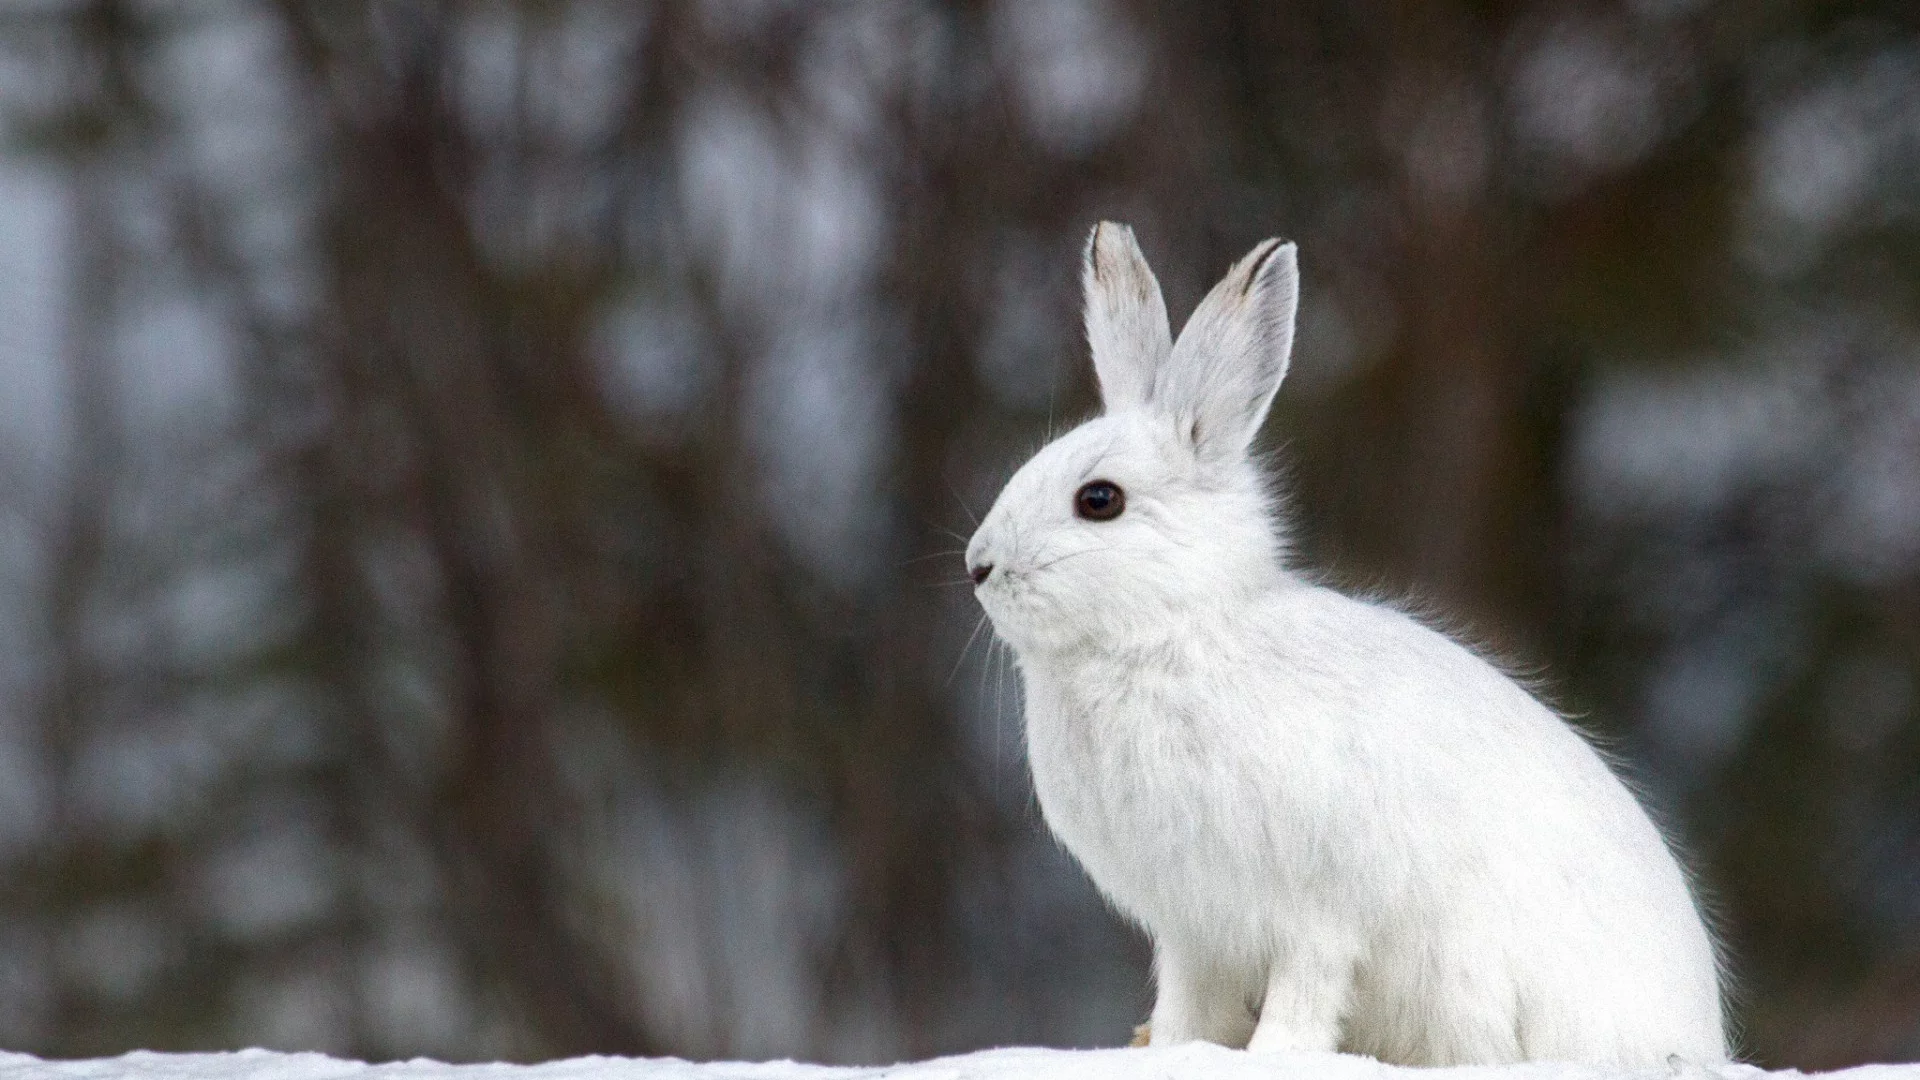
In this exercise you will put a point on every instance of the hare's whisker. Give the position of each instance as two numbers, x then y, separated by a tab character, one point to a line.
949	532
947	554
1068	555
964	649
964	508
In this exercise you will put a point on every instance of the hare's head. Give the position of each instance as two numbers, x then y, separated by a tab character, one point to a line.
1154	509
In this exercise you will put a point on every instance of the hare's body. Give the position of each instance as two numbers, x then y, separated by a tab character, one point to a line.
1274	792
1341	829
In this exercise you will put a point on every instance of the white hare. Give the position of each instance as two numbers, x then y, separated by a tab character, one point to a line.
1341	829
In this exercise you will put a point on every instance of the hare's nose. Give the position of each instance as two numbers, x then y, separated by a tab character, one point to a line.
980	573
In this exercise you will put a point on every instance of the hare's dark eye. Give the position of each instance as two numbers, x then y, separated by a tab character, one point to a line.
1099	500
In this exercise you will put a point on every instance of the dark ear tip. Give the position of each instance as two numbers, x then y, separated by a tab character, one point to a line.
1096	236
1269	249
1092	255
1263	257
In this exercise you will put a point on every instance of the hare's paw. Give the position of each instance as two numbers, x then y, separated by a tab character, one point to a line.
1306	997
1197	1002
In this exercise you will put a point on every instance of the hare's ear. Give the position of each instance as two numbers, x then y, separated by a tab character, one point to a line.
1233	353
1126	318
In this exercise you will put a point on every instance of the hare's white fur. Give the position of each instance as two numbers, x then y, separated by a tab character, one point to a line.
1341	829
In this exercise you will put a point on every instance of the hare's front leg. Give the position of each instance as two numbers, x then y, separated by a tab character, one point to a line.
1307	992
1198	1000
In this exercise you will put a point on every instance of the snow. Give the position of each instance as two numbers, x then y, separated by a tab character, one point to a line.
1158	1063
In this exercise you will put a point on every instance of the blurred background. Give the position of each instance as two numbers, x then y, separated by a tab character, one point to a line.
481	483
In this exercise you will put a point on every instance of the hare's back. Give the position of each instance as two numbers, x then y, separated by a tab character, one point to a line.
1523	844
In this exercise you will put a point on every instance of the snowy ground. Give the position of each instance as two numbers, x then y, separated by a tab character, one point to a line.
1165	1063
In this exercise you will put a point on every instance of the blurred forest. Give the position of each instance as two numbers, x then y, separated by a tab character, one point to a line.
479	483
